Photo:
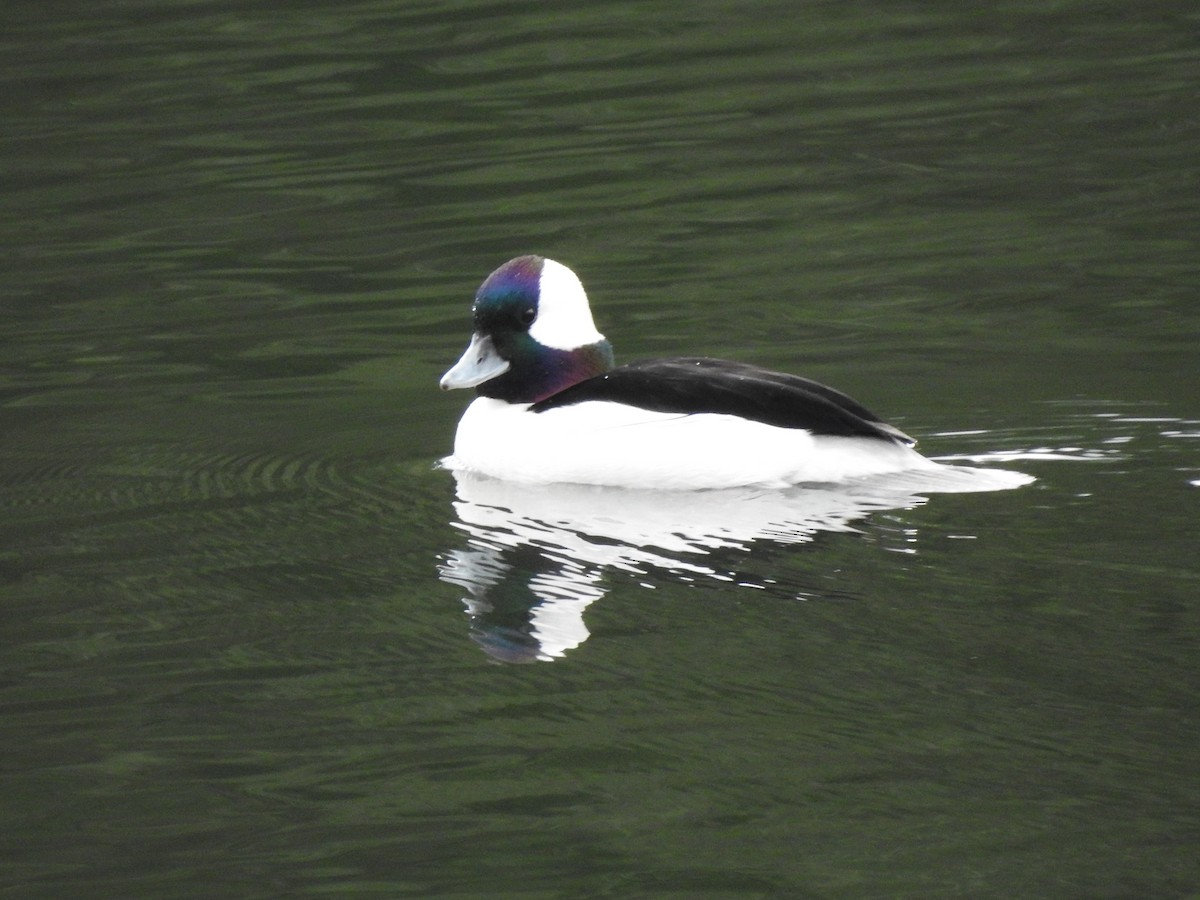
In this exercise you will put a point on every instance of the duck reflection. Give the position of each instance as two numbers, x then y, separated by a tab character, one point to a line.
523	604
536	556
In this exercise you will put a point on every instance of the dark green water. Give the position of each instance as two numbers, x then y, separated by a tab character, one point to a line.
249	633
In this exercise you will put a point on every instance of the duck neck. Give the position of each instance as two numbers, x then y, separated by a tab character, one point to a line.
544	373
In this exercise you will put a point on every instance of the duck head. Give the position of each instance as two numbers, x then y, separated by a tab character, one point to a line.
534	334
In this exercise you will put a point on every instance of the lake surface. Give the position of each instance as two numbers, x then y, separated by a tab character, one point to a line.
256	644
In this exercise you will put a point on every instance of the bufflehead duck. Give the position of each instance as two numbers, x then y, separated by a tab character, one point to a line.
553	407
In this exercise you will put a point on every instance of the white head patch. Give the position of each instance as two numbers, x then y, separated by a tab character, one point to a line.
564	320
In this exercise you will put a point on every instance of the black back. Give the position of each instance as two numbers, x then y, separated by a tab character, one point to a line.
690	385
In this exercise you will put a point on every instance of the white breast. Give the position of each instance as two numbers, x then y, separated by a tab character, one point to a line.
599	442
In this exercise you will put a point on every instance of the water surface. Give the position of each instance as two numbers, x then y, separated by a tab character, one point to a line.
256	644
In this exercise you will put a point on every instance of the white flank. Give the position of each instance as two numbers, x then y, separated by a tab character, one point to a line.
612	444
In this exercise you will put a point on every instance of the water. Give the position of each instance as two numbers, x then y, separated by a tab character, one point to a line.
255	644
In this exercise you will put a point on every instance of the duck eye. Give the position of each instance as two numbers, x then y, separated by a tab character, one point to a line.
528	315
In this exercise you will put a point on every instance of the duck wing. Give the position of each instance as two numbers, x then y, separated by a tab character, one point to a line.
690	385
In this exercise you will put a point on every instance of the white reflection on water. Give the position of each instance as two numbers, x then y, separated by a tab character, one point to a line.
536	554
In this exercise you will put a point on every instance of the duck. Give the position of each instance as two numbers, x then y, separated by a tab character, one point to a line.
552	406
